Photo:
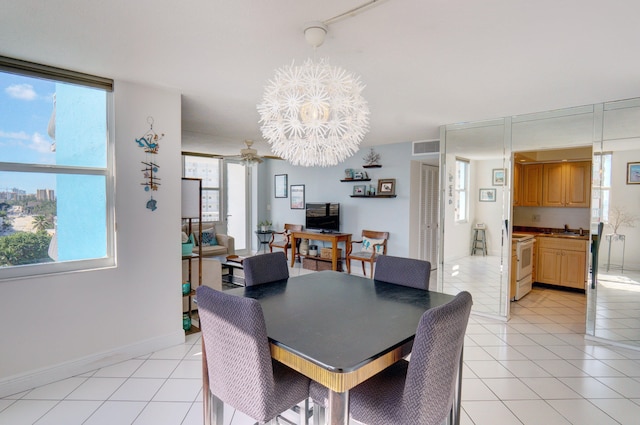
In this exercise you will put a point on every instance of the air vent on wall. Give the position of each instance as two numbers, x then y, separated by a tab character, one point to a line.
426	147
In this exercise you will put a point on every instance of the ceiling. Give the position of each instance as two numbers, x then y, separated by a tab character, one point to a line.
424	62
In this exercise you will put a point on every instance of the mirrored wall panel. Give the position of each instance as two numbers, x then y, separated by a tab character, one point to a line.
476	181
567	179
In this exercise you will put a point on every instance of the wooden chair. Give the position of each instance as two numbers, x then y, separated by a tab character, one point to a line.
373	244
283	239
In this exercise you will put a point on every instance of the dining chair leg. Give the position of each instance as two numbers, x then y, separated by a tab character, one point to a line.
318	415
215	416
304	416
364	271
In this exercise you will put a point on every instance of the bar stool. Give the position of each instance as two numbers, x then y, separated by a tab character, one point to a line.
479	240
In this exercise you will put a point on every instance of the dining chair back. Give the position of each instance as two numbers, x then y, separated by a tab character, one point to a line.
283	239
419	391
265	268
372	245
403	271
237	365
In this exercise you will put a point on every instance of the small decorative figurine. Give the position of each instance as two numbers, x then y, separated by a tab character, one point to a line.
372	158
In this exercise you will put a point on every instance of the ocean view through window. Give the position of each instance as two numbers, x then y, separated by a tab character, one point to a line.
55	170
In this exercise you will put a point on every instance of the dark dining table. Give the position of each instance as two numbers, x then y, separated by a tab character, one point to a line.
340	329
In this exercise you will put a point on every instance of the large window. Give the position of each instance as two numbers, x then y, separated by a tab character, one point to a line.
601	187
208	169
55	170
462	190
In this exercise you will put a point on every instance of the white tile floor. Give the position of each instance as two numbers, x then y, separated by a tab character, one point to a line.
535	369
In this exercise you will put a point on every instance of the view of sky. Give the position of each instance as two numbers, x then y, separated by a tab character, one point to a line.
26	105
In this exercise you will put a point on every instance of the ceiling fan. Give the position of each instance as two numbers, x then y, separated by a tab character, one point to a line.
249	156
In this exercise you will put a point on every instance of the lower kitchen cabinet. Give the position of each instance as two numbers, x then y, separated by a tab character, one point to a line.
562	262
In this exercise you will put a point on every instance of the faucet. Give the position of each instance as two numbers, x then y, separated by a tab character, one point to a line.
566	228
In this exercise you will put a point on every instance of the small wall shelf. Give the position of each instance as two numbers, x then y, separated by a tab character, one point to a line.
355	180
372	166
374	196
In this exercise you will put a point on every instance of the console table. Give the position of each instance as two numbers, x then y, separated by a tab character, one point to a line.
334	238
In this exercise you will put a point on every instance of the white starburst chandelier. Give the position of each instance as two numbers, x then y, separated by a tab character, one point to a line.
313	114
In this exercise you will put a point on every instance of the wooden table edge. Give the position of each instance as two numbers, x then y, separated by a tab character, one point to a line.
338	381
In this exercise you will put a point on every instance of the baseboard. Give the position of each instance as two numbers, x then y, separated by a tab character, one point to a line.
35	378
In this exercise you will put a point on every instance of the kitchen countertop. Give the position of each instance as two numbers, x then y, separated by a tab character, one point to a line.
551	233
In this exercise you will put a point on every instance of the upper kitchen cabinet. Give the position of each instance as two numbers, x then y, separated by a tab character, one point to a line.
566	184
517	184
531	185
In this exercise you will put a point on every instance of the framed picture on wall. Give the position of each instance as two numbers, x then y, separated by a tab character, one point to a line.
280	185
386	186
633	172
498	176
297	196
487	195
359	190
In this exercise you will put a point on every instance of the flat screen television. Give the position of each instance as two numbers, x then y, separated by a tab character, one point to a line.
324	217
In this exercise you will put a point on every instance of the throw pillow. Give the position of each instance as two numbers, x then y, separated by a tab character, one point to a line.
209	238
185	238
367	245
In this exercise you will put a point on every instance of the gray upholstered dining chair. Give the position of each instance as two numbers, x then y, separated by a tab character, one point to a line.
403	271
265	268
237	366
421	391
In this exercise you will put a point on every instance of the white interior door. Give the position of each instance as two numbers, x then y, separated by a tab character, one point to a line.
428	247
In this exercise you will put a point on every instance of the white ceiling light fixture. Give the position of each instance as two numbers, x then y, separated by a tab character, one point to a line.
314	114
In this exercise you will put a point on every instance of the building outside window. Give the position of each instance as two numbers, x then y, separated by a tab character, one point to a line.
461	191
55	172
208	169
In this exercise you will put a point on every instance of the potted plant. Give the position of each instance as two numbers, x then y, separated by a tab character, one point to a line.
264	225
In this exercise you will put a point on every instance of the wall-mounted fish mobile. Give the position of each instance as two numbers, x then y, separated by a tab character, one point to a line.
150	143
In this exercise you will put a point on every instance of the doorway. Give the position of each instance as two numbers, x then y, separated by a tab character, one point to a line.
238	204
428	243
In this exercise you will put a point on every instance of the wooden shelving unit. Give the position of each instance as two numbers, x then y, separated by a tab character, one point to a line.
374	196
192	192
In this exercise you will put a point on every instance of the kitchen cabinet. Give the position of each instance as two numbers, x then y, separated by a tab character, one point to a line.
531	185
562	262
517	184
567	184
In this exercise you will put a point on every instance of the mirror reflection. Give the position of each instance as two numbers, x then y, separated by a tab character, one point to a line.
565	172
476	183
615	299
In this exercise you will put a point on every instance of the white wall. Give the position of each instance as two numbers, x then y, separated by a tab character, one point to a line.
356	214
52	327
552	217
625	196
489	213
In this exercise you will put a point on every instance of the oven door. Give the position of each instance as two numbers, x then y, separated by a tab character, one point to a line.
524	254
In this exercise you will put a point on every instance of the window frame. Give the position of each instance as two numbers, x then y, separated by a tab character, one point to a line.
34	70
205	189
457	190
600	189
